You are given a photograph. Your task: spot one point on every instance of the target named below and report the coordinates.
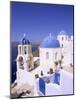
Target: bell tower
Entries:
(24, 59)
(63, 38)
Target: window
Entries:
(20, 49)
(62, 46)
(62, 38)
(21, 62)
(24, 50)
(47, 55)
(56, 56)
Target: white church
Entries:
(51, 50)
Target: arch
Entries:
(21, 62)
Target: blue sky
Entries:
(38, 20)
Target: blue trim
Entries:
(42, 85)
(25, 41)
(57, 78)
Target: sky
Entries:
(39, 20)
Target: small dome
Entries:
(62, 33)
(50, 42)
(25, 41)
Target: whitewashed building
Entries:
(52, 50)
(49, 52)
(66, 44)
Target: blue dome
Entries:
(25, 41)
(50, 42)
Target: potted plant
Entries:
(51, 71)
(36, 76)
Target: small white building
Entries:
(66, 44)
(62, 37)
(49, 52)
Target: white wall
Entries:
(67, 52)
(50, 61)
(59, 37)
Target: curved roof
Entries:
(25, 41)
(62, 33)
(50, 42)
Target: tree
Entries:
(36, 76)
(51, 71)
(56, 63)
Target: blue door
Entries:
(42, 85)
(57, 78)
